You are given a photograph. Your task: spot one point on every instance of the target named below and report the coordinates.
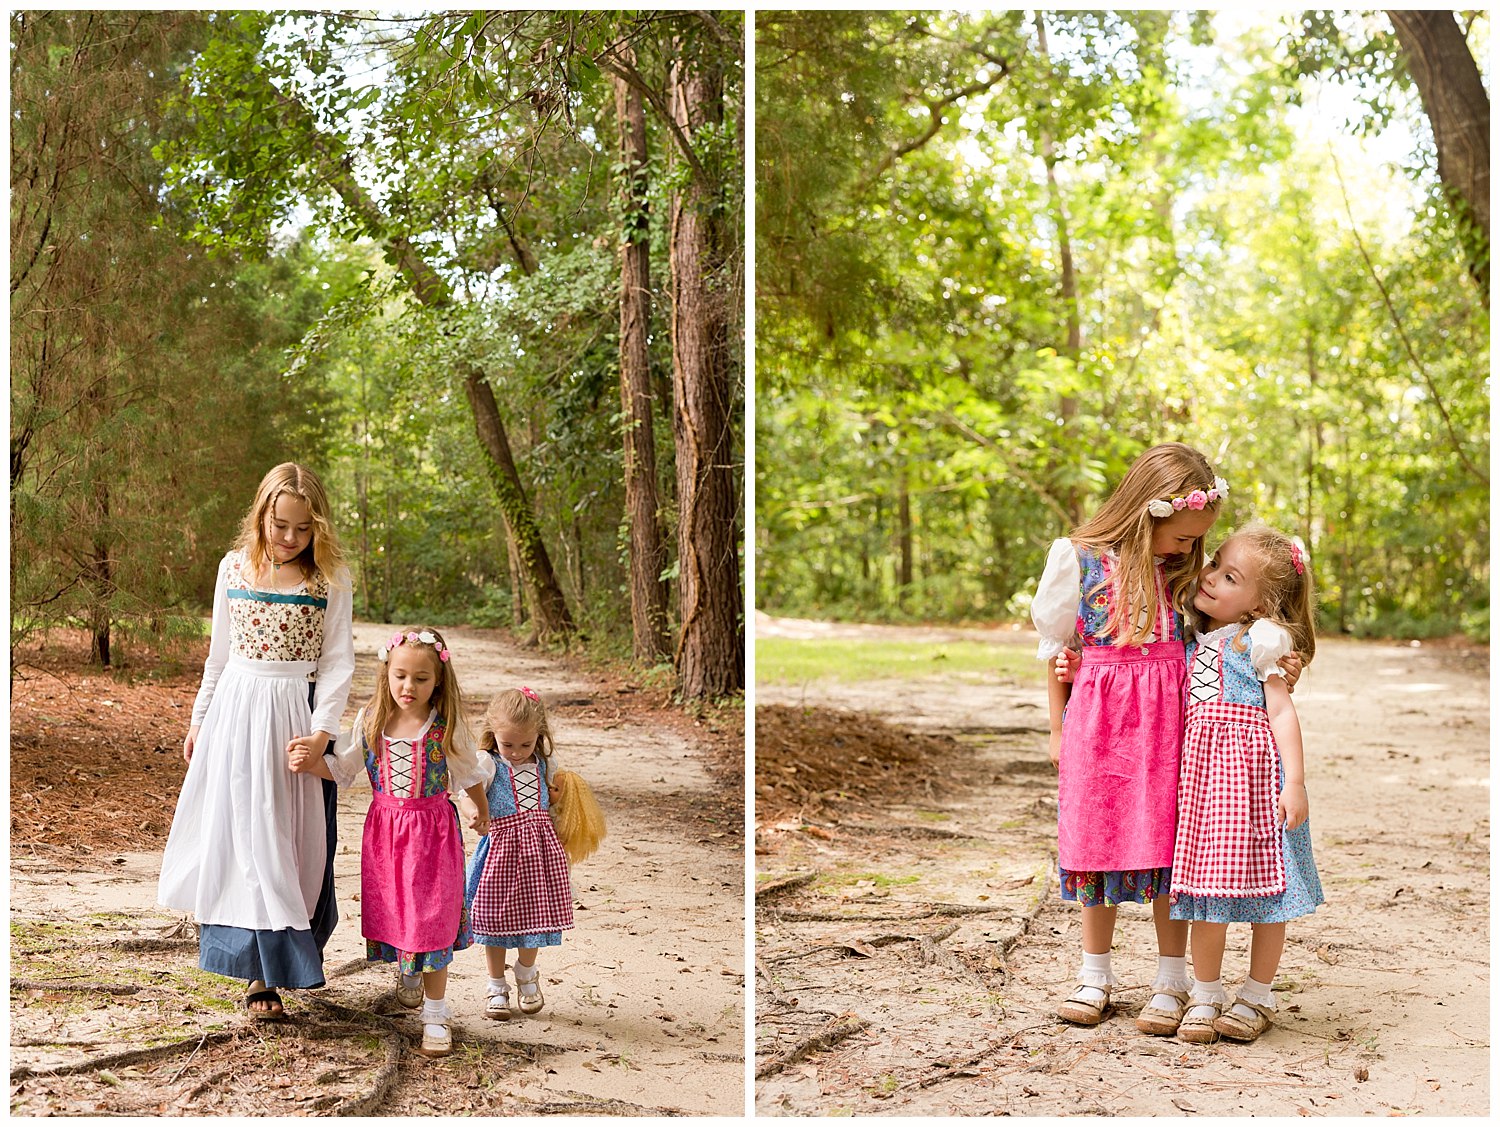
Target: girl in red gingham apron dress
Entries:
(1242, 854)
(518, 888)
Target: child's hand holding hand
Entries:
(304, 753)
(1291, 668)
(1066, 667)
(474, 806)
(1291, 806)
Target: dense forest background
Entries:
(998, 255)
(482, 271)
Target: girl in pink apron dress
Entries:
(413, 745)
(1118, 585)
(1244, 850)
(518, 890)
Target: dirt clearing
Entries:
(110, 1015)
(911, 946)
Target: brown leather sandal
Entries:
(1160, 1022)
(1084, 1011)
(1200, 1030)
(1237, 1027)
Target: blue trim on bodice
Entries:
(266, 597)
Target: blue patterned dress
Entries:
(1227, 839)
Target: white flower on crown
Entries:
(1160, 509)
(1221, 487)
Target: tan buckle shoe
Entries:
(1159, 1022)
(408, 996)
(497, 1004)
(1200, 1030)
(1084, 1011)
(529, 991)
(1240, 1028)
(440, 1045)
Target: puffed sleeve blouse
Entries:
(1269, 643)
(1054, 609)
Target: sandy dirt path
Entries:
(917, 972)
(644, 1006)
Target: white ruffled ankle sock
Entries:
(434, 1014)
(1257, 993)
(1203, 996)
(1171, 974)
(1094, 975)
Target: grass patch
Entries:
(797, 660)
(880, 880)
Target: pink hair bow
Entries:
(529, 694)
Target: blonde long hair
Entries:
(515, 707)
(1286, 595)
(323, 553)
(447, 697)
(1125, 527)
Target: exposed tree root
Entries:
(590, 1105)
(134, 1056)
(785, 884)
(841, 1028)
(116, 988)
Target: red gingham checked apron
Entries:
(1228, 843)
(524, 888)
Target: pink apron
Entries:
(1121, 748)
(412, 868)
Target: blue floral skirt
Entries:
(416, 962)
(1116, 886)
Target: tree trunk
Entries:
(903, 533)
(551, 610)
(100, 578)
(517, 580)
(431, 289)
(1453, 94)
(710, 656)
(648, 594)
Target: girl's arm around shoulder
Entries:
(1054, 609)
(1292, 804)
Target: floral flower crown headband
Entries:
(1197, 499)
(426, 637)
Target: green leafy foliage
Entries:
(925, 426)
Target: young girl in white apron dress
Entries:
(1244, 850)
(413, 744)
(518, 889)
(250, 852)
(1118, 585)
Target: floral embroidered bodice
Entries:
(412, 767)
(1095, 570)
(272, 625)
